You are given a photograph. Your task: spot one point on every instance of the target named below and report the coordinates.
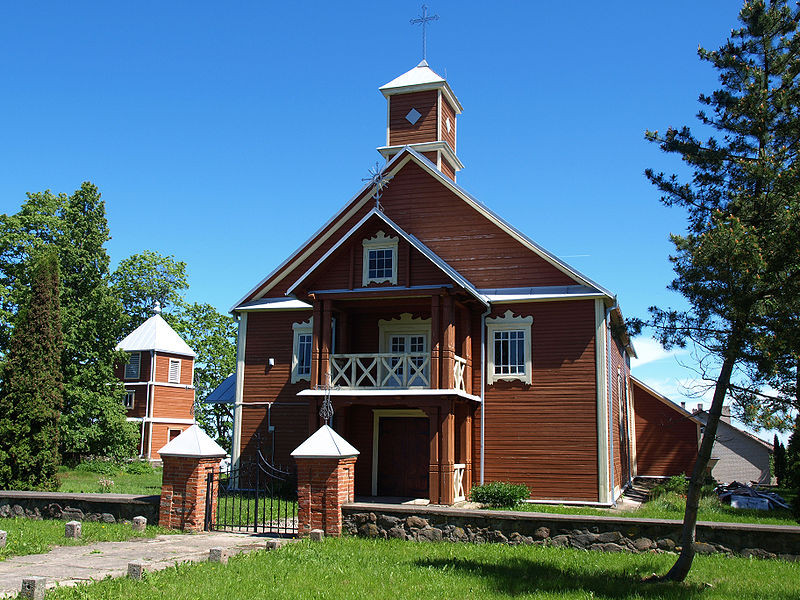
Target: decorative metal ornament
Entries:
(378, 179)
(423, 20)
(326, 411)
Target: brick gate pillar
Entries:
(188, 459)
(325, 481)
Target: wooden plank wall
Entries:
(545, 435)
(448, 136)
(666, 439)
(162, 367)
(424, 130)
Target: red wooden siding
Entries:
(483, 253)
(448, 170)
(161, 436)
(621, 450)
(545, 435)
(401, 132)
(666, 439)
(139, 401)
(144, 369)
(432, 156)
(162, 367)
(448, 136)
(172, 403)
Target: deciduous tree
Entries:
(738, 262)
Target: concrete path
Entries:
(69, 565)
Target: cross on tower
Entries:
(423, 20)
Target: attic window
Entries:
(174, 370)
(413, 116)
(132, 366)
(380, 260)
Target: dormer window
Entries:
(132, 366)
(380, 260)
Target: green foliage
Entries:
(499, 494)
(101, 466)
(138, 467)
(143, 279)
(779, 461)
(31, 392)
(212, 336)
(81, 481)
(677, 484)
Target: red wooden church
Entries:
(455, 349)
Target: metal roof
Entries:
(224, 393)
(194, 442)
(421, 78)
(155, 334)
(325, 443)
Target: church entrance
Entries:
(403, 454)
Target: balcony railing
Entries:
(459, 371)
(458, 482)
(380, 371)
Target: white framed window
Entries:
(380, 260)
(174, 370)
(406, 335)
(129, 399)
(132, 366)
(301, 350)
(509, 348)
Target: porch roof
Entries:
(384, 393)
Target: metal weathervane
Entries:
(378, 179)
(424, 20)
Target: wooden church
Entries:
(159, 383)
(454, 349)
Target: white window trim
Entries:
(170, 378)
(505, 323)
(138, 356)
(132, 395)
(299, 329)
(405, 324)
(380, 242)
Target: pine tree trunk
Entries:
(681, 568)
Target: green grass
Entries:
(672, 506)
(80, 481)
(395, 570)
(26, 536)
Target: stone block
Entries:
(3, 536)
(72, 514)
(33, 587)
(755, 553)
(108, 518)
(417, 522)
(387, 521)
(703, 548)
(397, 533)
(136, 570)
(218, 555)
(643, 544)
(5, 511)
(560, 541)
(139, 524)
(666, 544)
(609, 537)
(583, 540)
(541, 533)
(316, 535)
(72, 530)
(429, 534)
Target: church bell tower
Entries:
(421, 113)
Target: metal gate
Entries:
(254, 496)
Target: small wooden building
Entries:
(455, 349)
(159, 383)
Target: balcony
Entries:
(389, 371)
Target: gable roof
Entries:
(224, 393)
(406, 155)
(413, 242)
(666, 401)
(155, 334)
(702, 416)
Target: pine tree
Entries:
(31, 393)
(779, 460)
(738, 264)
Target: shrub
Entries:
(677, 484)
(101, 466)
(138, 467)
(499, 493)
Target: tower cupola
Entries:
(421, 113)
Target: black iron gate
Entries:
(254, 496)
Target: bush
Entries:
(677, 484)
(138, 467)
(499, 493)
(101, 466)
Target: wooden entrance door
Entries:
(403, 456)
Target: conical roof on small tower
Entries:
(155, 334)
(418, 79)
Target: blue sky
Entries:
(227, 133)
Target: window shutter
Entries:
(132, 367)
(174, 370)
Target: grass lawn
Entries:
(672, 506)
(396, 570)
(26, 536)
(84, 481)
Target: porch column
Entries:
(325, 345)
(315, 344)
(448, 343)
(435, 335)
(464, 454)
(433, 439)
(466, 347)
(447, 457)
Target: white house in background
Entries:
(159, 383)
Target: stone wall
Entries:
(608, 534)
(109, 508)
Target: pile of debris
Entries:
(740, 495)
